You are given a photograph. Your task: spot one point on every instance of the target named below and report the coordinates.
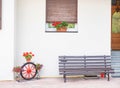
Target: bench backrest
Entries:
(102, 61)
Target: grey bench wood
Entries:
(85, 65)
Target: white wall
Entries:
(7, 40)
(93, 38)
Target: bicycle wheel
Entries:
(28, 71)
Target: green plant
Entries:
(59, 24)
(39, 66)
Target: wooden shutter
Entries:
(0, 14)
(61, 10)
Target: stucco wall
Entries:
(93, 37)
(7, 40)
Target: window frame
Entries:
(75, 16)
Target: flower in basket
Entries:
(60, 26)
(28, 55)
(16, 69)
(39, 66)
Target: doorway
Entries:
(115, 37)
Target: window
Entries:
(61, 11)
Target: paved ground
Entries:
(58, 83)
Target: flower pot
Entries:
(28, 60)
(102, 75)
(62, 29)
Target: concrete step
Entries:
(115, 63)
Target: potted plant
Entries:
(16, 69)
(60, 26)
(28, 56)
(39, 66)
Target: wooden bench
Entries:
(85, 65)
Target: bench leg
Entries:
(64, 76)
(108, 77)
(105, 75)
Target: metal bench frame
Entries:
(85, 65)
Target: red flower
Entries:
(30, 52)
(55, 23)
(28, 55)
(24, 54)
(16, 69)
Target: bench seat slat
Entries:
(81, 73)
(86, 69)
(72, 65)
(82, 59)
(88, 72)
(83, 62)
(97, 56)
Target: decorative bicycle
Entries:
(29, 70)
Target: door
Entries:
(115, 34)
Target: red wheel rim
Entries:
(28, 71)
